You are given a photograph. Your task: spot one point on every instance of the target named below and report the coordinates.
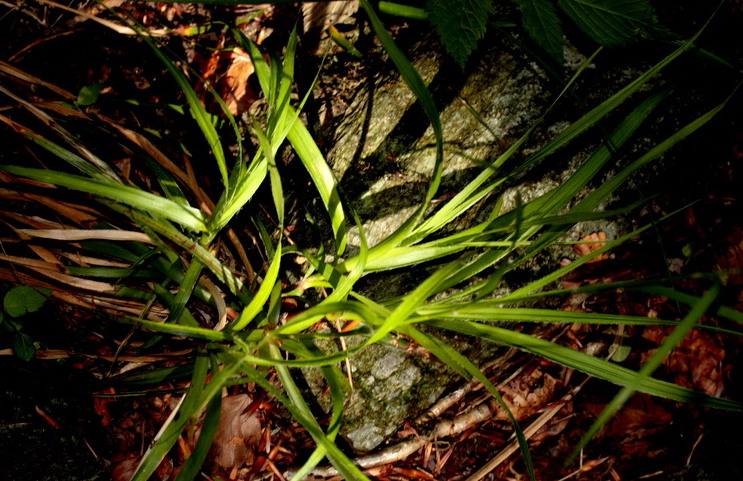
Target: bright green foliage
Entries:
(460, 24)
(259, 343)
(610, 22)
(541, 21)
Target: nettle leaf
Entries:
(460, 24)
(541, 21)
(611, 22)
(21, 300)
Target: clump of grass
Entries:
(155, 254)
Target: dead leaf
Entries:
(236, 434)
(593, 242)
(238, 94)
(697, 363)
(527, 394)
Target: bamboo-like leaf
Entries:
(264, 291)
(186, 216)
(587, 364)
(198, 112)
(177, 420)
(656, 359)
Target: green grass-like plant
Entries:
(153, 280)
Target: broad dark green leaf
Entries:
(541, 21)
(610, 22)
(21, 300)
(460, 24)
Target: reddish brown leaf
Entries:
(237, 433)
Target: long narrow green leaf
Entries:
(186, 216)
(221, 271)
(303, 414)
(587, 364)
(656, 359)
(264, 291)
(412, 301)
(455, 359)
(178, 420)
(336, 393)
(198, 112)
(193, 465)
(179, 330)
(185, 289)
(418, 87)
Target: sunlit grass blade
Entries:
(345, 285)
(298, 406)
(177, 420)
(587, 364)
(459, 363)
(204, 120)
(350, 310)
(656, 359)
(264, 291)
(333, 379)
(476, 190)
(424, 96)
(186, 216)
(412, 301)
(304, 145)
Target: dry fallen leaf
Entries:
(594, 242)
(529, 393)
(238, 94)
(237, 432)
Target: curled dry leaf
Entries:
(237, 92)
(593, 242)
(696, 363)
(236, 433)
(527, 394)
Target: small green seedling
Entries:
(18, 302)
